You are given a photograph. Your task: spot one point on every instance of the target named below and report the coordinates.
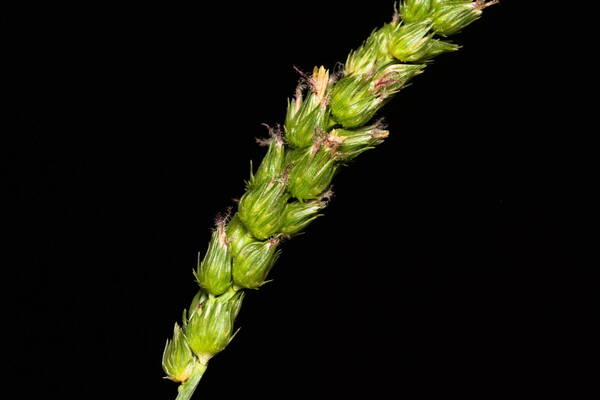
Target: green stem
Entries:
(186, 390)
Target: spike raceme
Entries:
(328, 123)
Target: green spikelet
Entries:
(372, 55)
(310, 115)
(200, 297)
(298, 215)
(432, 49)
(261, 207)
(356, 99)
(178, 361)
(311, 175)
(210, 327)
(238, 235)
(450, 17)
(355, 142)
(415, 10)
(272, 165)
(410, 39)
(253, 263)
(214, 272)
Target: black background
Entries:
(441, 267)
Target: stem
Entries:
(186, 390)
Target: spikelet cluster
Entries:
(329, 122)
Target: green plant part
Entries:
(307, 116)
(450, 17)
(178, 361)
(409, 39)
(415, 10)
(355, 99)
(210, 326)
(254, 262)
(356, 141)
(298, 215)
(214, 272)
(272, 165)
(432, 49)
(312, 173)
(373, 54)
(328, 124)
(261, 207)
(238, 235)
